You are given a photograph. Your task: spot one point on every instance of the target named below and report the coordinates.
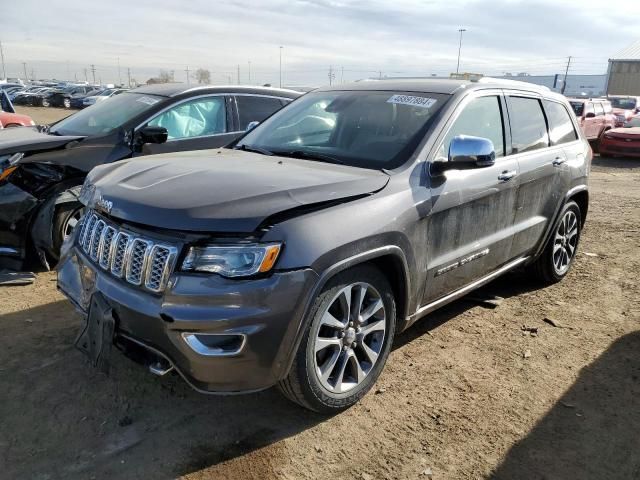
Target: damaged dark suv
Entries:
(42, 168)
(293, 258)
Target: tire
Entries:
(65, 219)
(13, 125)
(67, 103)
(555, 261)
(333, 345)
(45, 103)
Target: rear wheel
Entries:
(347, 343)
(45, 103)
(558, 256)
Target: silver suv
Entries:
(294, 256)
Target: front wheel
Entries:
(67, 103)
(46, 103)
(558, 256)
(346, 344)
(66, 219)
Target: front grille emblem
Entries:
(104, 205)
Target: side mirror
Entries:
(153, 135)
(252, 125)
(590, 115)
(466, 152)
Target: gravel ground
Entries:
(43, 116)
(466, 392)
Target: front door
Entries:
(195, 124)
(469, 226)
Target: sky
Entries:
(350, 39)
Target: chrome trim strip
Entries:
(201, 349)
(8, 251)
(430, 307)
(166, 269)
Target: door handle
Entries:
(559, 161)
(507, 175)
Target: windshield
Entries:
(106, 116)
(578, 108)
(368, 129)
(106, 93)
(623, 103)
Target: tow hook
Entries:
(160, 368)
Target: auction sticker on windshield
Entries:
(423, 102)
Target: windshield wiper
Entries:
(309, 156)
(250, 148)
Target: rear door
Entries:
(256, 108)
(194, 124)
(470, 225)
(590, 123)
(599, 119)
(540, 165)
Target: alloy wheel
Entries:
(565, 242)
(71, 223)
(350, 337)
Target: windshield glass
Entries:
(106, 116)
(578, 108)
(106, 93)
(623, 103)
(368, 129)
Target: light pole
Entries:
(281, 66)
(460, 49)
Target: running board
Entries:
(430, 307)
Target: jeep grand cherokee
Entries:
(295, 256)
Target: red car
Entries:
(624, 142)
(624, 108)
(594, 116)
(9, 117)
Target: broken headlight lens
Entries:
(86, 192)
(8, 163)
(241, 260)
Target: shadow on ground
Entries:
(62, 419)
(593, 431)
(616, 162)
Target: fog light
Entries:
(215, 344)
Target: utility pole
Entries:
(566, 73)
(461, 30)
(129, 76)
(4, 72)
(187, 70)
(86, 78)
(380, 75)
(341, 74)
(119, 78)
(93, 72)
(249, 73)
(331, 75)
(281, 66)
(33, 74)
(24, 66)
(238, 74)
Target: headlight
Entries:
(233, 260)
(8, 164)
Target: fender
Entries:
(331, 272)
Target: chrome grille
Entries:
(141, 261)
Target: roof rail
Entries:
(515, 83)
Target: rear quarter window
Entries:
(528, 125)
(561, 129)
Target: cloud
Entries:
(408, 37)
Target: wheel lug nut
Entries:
(351, 324)
(345, 348)
(354, 344)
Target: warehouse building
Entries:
(623, 77)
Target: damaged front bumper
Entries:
(220, 335)
(16, 206)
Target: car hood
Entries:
(624, 132)
(222, 190)
(31, 139)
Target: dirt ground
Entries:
(466, 393)
(44, 116)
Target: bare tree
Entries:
(163, 77)
(203, 76)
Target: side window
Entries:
(482, 117)
(560, 125)
(589, 108)
(255, 109)
(528, 126)
(195, 118)
(599, 109)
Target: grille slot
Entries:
(141, 261)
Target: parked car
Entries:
(61, 97)
(77, 100)
(295, 257)
(624, 108)
(42, 169)
(623, 142)
(594, 117)
(9, 117)
(32, 96)
(101, 97)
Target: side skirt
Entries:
(430, 307)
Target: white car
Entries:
(110, 92)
